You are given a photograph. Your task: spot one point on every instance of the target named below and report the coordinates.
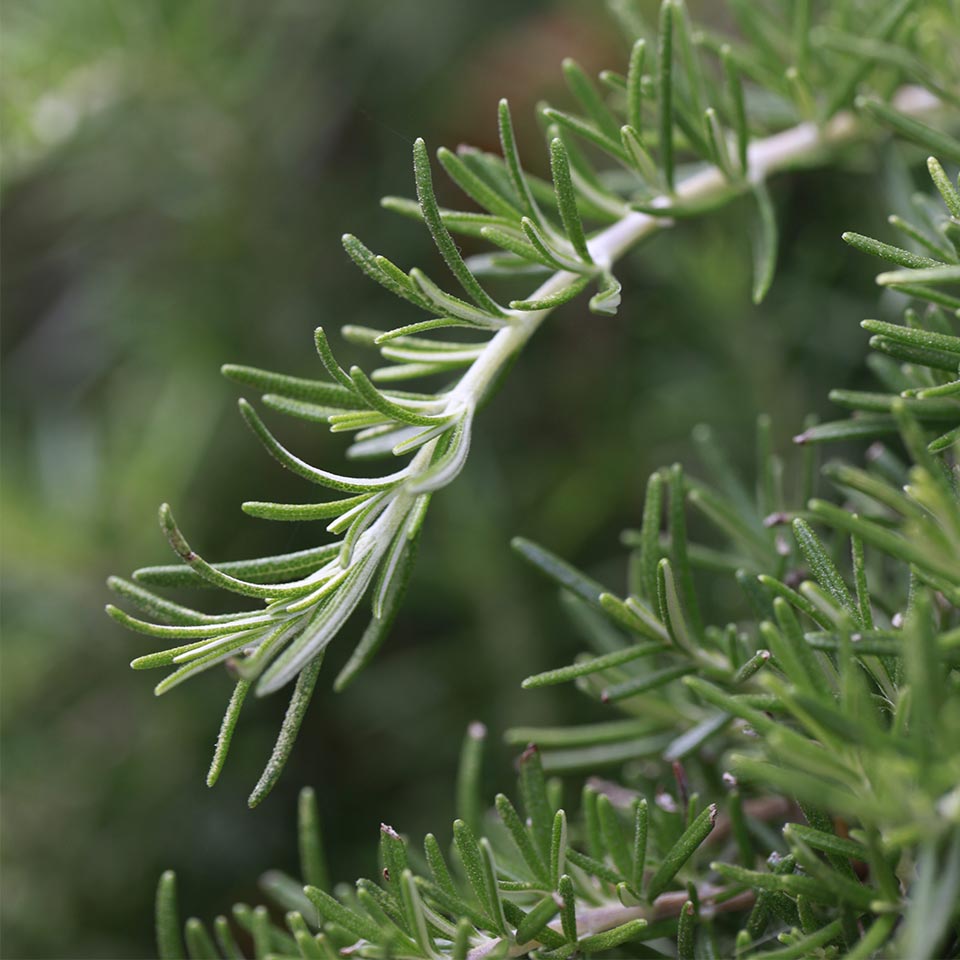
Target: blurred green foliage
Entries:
(176, 173)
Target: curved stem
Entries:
(764, 157)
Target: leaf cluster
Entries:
(695, 121)
(821, 731)
(814, 742)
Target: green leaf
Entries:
(607, 299)
(439, 301)
(333, 911)
(717, 142)
(567, 199)
(885, 251)
(169, 943)
(694, 83)
(297, 388)
(558, 847)
(609, 939)
(200, 945)
(802, 947)
(888, 541)
(950, 194)
(929, 339)
(225, 735)
(645, 682)
(790, 883)
(383, 272)
(863, 427)
(591, 821)
(614, 841)
(751, 666)
(945, 440)
(508, 240)
(844, 886)
(640, 156)
(585, 92)
(873, 939)
(650, 551)
(508, 143)
(306, 944)
(293, 719)
(919, 236)
(593, 665)
(634, 616)
(672, 609)
(589, 132)
(827, 842)
(738, 824)
(949, 273)
(935, 896)
(469, 851)
(692, 739)
(799, 661)
(461, 944)
(549, 738)
(470, 777)
(765, 243)
(440, 234)
(635, 86)
(678, 549)
(226, 940)
(437, 865)
(537, 918)
(665, 91)
(641, 822)
(565, 294)
(731, 74)
(301, 511)
(559, 571)
(414, 910)
(313, 864)
(934, 140)
(824, 569)
(686, 932)
(546, 249)
(476, 188)
(885, 402)
(159, 608)
(308, 472)
(684, 848)
(881, 27)
(568, 916)
(536, 802)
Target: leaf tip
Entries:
(531, 752)
(477, 730)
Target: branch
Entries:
(764, 158)
(598, 919)
(380, 525)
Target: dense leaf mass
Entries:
(815, 742)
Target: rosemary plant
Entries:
(815, 743)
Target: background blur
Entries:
(177, 176)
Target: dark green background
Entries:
(177, 178)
